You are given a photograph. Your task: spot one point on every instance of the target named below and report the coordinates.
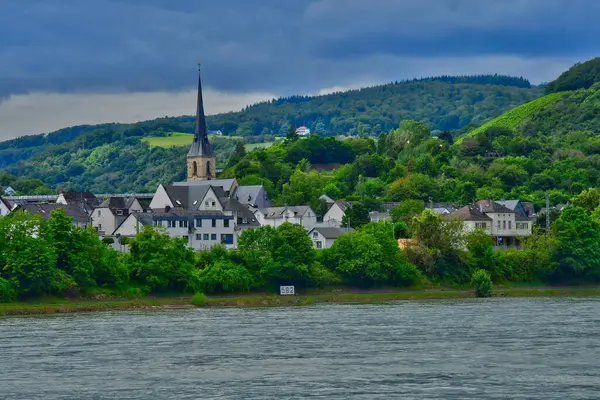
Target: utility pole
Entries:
(547, 214)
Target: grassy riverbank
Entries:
(264, 300)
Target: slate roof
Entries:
(248, 195)
(327, 199)
(342, 205)
(241, 210)
(187, 197)
(79, 197)
(117, 203)
(226, 184)
(72, 210)
(467, 213)
(277, 212)
(331, 233)
(490, 206)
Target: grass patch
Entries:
(59, 306)
(178, 139)
(514, 118)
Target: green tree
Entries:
(588, 199)
(356, 216)
(577, 250)
(407, 210)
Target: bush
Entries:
(199, 299)
(481, 282)
(8, 292)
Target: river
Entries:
(468, 349)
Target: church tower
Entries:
(201, 161)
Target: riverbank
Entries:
(336, 296)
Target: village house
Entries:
(253, 197)
(503, 224)
(377, 216)
(323, 237)
(114, 210)
(333, 217)
(276, 216)
(9, 191)
(85, 200)
(80, 217)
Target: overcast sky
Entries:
(66, 62)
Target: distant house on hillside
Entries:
(302, 131)
(9, 191)
(253, 197)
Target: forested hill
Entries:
(116, 158)
(442, 103)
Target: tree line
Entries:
(53, 257)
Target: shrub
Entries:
(481, 282)
(7, 291)
(199, 299)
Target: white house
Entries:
(302, 131)
(378, 216)
(323, 237)
(498, 221)
(333, 216)
(4, 207)
(9, 191)
(276, 216)
(112, 212)
(202, 229)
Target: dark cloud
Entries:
(281, 46)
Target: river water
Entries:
(469, 349)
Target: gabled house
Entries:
(228, 185)
(253, 197)
(323, 237)
(80, 217)
(524, 209)
(4, 207)
(442, 208)
(276, 216)
(9, 191)
(503, 224)
(85, 200)
(133, 224)
(112, 212)
(333, 217)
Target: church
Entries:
(203, 209)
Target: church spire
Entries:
(200, 146)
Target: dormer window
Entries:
(119, 212)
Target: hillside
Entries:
(118, 157)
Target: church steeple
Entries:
(201, 161)
(201, 145)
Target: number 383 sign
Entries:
(286, 290)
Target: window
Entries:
(226, 223)
(498, 224)
(214, 223)
(227, 238)
(183, 224)
(509, 224)
(198, 222)
(319, 245)
(205, 236)
(206, 203)
(119, 212)
(244, 220)
(480, 225)
(214, 204)
(100, 227)
(522, 225)
(198, 236)
(172, 224)
(99, 213)
(213, 236)
(503, 224)
(315, 235)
